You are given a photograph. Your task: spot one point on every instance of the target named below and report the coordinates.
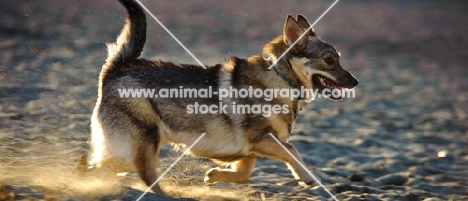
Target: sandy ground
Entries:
(404, 136)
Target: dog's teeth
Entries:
(322, 80)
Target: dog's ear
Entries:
(292, 31)
(305, 24)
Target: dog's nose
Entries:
(354, 81)
(351, 81)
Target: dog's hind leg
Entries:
(145, 162)
(239, 173)
(82, 165)
(269, 148)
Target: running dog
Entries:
(127, 133)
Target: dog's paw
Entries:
(312, 183)
(213, 175)
(225, 175)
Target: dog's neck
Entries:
(280, 73)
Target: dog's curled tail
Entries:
(131, 40)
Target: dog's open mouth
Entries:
(334, 91)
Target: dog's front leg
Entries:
(269, 148)
(240, 172)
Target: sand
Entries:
(403, 137)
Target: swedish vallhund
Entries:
(127, 133)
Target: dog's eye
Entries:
(329, 61)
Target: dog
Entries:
(127, 133)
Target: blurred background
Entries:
(405, 134)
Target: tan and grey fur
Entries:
(127, 133)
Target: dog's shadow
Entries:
(133, 194)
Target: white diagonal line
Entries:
(303, 166)
(302, 35)
(170, 167)
(170, 33)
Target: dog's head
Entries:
(315, 63)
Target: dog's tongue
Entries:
(333, 86)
